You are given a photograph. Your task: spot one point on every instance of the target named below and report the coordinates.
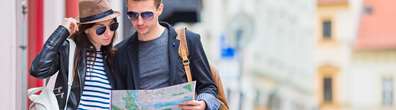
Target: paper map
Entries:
(166, 98)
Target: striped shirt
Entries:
(97, 90)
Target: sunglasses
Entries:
(101, 29)
(147, 15)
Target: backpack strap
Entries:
(183, 51)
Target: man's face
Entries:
(143, 15)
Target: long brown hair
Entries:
(82, 41)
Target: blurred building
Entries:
(331, 52)
(264, 51)
(280, 59)
(355, 55)
(373, 60)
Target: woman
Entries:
(93, 35)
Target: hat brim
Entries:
(111, 16)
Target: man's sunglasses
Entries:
(147, 15)
(102, 28)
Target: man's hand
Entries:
(193, 105)
(71, 25)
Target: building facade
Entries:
(264, 51)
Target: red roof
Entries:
(378, 29)
(331, 2)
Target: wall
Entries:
(8, 49)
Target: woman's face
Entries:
(101, 34)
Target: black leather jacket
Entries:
(54, 58)
(126, 63)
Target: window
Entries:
(328, 89)
(327, 29)
(258, 99)
(327, 81)
(387, 91)
(274, 101)
(368, 10)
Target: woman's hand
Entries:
(193, 105)
(71, 25)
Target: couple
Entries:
(147, 60)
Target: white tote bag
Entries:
(46, 100)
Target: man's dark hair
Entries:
(156, 2)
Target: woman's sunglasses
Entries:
(102, 28)
(147, 15)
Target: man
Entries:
(149, 59)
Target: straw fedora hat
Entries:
(92, 11)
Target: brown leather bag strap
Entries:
(183, 52)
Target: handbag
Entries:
(183, 53)
(46, 100)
